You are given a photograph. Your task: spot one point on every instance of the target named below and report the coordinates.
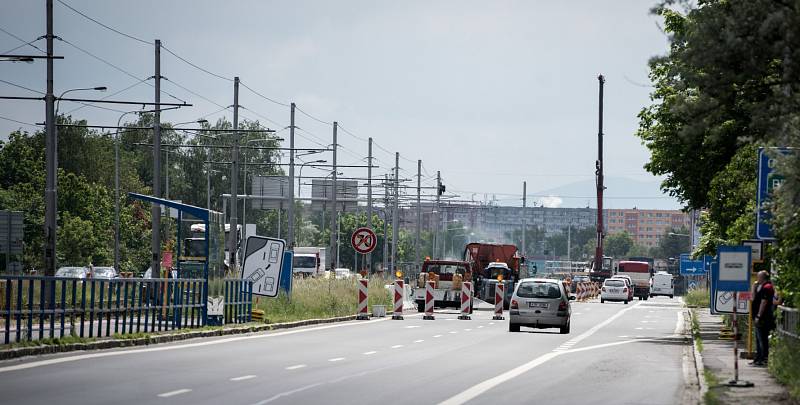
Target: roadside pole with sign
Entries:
(730, 277)
(363, 241)
(757, 255)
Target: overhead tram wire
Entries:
(296, 107)
(111, 95)
(22, 87)
(115, 67)
(20, 122)
(263, 96)
(184, 60)
(104, 25)
(23, 41)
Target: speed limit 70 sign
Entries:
(364, 240)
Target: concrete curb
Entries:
(698, 361)
(165, 338)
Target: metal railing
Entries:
(238, 301)
(96, 307)
(789, 321)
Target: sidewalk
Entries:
(718, 360)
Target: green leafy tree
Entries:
(618, 245)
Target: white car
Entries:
(540, 303)
(662, 283)
(614, 290)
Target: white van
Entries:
(662, 284)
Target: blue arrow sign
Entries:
(691, 267)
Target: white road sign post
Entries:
(263, 260)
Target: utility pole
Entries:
(369, 201)
(155, 211)
(569, 242)
(51, 159)
(290, 209)
(335, 215)
(233, 239)
(524, 215)
(438, 214)
(419, 215)
(396, 212)
(385, 222)
(598, 255)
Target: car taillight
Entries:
(625, 289)
(514, 304)
(562, 306)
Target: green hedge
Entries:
(784, 362)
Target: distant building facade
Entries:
(646, 227)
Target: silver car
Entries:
(540, 303)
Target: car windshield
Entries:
(70, 272)
(539, 289)
(104, 272)
(615, 283)
(496, 271)
(445, 269)
(305, 262)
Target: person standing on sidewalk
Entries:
(763, 317)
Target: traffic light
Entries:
(534, 269)
(442, 189)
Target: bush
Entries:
(315, 298)
(784, 362)
(697, 298)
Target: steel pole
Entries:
(369, 201)
(598, 256)
(524, 217)
(419, 216)
(334, 209)
(290, 197)
(385, 222)
(396, 211)
(233, 240)
(155, 212)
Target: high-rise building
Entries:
(646, 227)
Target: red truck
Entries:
(491, 263)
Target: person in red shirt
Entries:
(763, 317)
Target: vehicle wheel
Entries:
(626, 302)
(420, 306)
(670, 297)
(512, 327)
(602, 301)
(645, 298)
(564, 329)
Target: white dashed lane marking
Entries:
(419, 341)
(369, 353)
(437, 336)
(295, 367)
(242, 378)
(397, 346)
(173, 393)
(336, 359)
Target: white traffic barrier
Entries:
(363, 298)
(429, 287)
(466, 301)
(499, 297)
(399, 294)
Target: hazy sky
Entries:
(489, 92)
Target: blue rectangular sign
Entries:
(691, 267)
(768, 180)
(731, 270)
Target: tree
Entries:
(672, 244)
(618, 245)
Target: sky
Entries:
(490, 93)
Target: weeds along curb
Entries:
(698, 358)
(114, 343)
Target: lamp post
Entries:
(51, 191)
(300, 172)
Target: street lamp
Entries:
(200, 121)
(51, 196)
(300, 173)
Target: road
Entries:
(616, 353)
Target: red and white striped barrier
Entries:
(499, 297)
(466, 301)
(363, 298)
(429, 287)
(399, 291)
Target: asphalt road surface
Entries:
(616, 353)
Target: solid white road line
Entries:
(369, 353)
(295, 367)
(336, 359)
(67, 359)
(476, 390)
(244, 377)
(173, 393)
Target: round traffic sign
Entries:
(364, 240)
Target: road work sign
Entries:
(262, 264)
(364, 240)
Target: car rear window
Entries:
(539, 289)
(614, 283)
